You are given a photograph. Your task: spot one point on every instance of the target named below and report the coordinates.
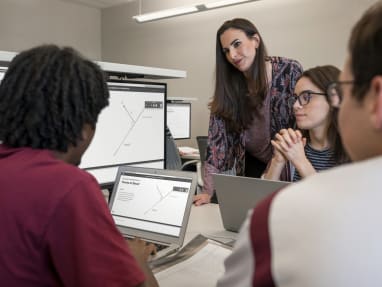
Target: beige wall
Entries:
(27, 23)
(311, 31)
(314, 32)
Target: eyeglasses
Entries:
(304, 97)
(335, 92)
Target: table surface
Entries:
(190, 156)
(206, 220)
(203, 220)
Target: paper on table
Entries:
(202, 269)
(185, 150)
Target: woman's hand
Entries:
(291, 144)
(202, 198)
(276, 166)
(278, 157)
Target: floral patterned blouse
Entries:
(226, 151)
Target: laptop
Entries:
(236, 195)
(153, 204)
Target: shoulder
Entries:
(286, 63)
(312, 193)
(317, 191)
(216, 124)
(70, 176)
(51, 174)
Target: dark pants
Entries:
(253, 166)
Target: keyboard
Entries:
(159, 246)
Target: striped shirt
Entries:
(320, 160)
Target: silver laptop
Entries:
(153, 204)
(236, 195)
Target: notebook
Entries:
(153, 204)
(236, 195)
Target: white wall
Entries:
(311, 31)
(314, 32)
(27, 23)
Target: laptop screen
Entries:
(151, 202)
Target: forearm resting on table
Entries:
(274, 170)
(304, 168)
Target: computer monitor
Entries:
(3, 69)
(130, 131)
(179, 119)
(2, 72)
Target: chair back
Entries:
(202, 146)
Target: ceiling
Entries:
(100, 3)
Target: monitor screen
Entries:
(151, 202)
(130, 131)
(179, 120)
(2, 72)
(3, 69)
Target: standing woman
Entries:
(251, 104)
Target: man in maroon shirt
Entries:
(56, 229)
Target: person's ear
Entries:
(376, 105)
(87, 133)
(256, 37)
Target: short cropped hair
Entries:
(47, 96)
(365, 47)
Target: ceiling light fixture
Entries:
(186, 10)
(223, 3)
(165, 14)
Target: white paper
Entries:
(188, 150)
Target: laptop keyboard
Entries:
(159, 247)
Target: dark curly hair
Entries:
(47, 95)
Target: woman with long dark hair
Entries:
(251, 104)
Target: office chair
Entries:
(173, 159)
(202, 146)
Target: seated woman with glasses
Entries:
(316, 145)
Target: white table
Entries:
(206, 220)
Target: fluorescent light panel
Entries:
(186, 10)
(223, 3)
(165, 14)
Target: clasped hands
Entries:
(289, 145)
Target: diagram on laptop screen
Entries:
(153, 199)
(130, 129)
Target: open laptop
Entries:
(237, 194)
(153, 204)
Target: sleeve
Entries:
(239, 266)
(250, 263)
(84, 244)
(296, 71)
(215, 153)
